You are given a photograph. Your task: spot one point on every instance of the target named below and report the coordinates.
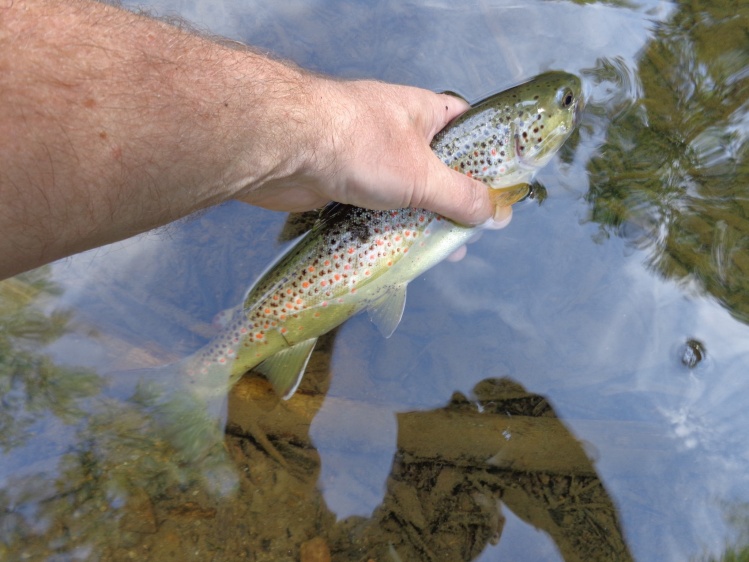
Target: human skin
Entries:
(112, 124)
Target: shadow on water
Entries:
(454, 469)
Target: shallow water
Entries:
(534, 404)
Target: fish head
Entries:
(548, 110)
(505, 138)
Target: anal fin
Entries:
(387, 310)
(286, 368)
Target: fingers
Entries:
(502, 217)
(446, 191)
(445, 109)
(458, 254)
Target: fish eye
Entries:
(565, 98)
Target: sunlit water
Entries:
(587, 299)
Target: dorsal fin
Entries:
(286, 368)
(330, 214)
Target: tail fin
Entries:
(179, 409)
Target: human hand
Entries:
(367, 143)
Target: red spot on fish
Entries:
(323, 283)
(337, 276)
(324, 303)
(299, 301)
(305, 284)
(310, 269)
(258, 336)
(283, 330)
(267, 310)
(327, 262)
(351, 250)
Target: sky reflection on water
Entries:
(586, 299)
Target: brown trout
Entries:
(355, 259)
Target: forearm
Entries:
(112, 124)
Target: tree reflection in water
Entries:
(673, 173)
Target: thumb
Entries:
(455, 195)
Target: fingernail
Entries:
(502, 217)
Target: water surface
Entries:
(576, 388)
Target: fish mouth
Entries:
(541, 153)
(522, 158)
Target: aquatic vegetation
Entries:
(32, 385)
(673, 173)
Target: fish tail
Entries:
(178, 410)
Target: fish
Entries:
(356, 259)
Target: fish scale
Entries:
(354, 259)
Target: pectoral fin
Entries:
(506, 196)
(386, 312)
(286, 368)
